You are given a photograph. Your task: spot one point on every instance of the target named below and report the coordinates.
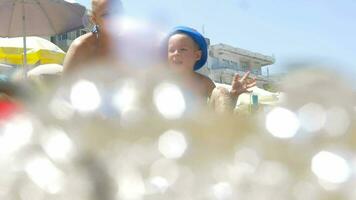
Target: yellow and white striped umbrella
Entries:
(39, 51)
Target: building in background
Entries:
(64, 40)
(224, 61)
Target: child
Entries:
(187, 53)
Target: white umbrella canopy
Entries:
(4, 68)
(39, 18)
(5, 72)
(46, 69)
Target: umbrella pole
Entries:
(24, 35)
(24, 52)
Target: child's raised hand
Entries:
(241, 85)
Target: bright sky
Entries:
(321, 31)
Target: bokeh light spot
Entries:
(160, 183)
(125, 97)
(44, 174)
(16, 133)
(330, 167)
(85, 96)
(131, 185)
(172, 144)
(169, 100)
(58, 145)
(312, 117)
(222, 190)
(282, 123)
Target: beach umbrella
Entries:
(39, 51)
(5, 72)
(38, 18)
(46, 69)
(5, 67)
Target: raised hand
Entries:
(241, 85)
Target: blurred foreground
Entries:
(141, 136)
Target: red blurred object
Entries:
(7, 109)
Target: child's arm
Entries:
(241, 85)
(224, 101)
(210, 86)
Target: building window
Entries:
(211, 53)
(71, 35)
(225, 63)
(63, 37)
(53, 39)
(257, 71)
(245, 66)
(234, 65)
(214, 63)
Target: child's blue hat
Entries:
(198, 38)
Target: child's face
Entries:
(183, 52)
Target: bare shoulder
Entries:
(80, 50)
(207, 84)
(206, 80)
